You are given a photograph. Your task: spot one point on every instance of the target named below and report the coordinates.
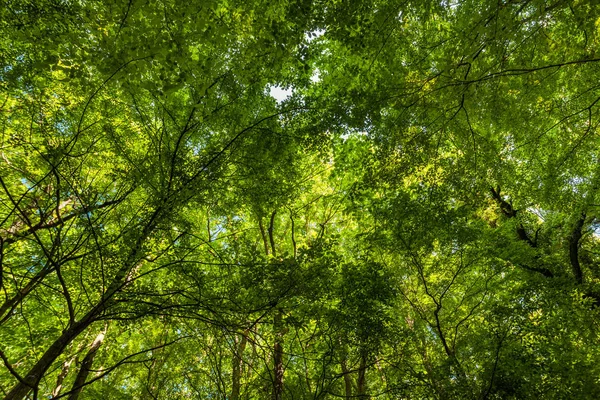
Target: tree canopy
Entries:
(417, 219)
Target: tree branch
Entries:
(509, 211)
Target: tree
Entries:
(418, 219)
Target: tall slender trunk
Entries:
(271, 230)
(278, 356)
(347, 379)
(263, 234)
(86, 365)
(574, 249)
(237, 364)
(362, 383)
(277, 328)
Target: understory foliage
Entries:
(416, 219)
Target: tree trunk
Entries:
(86, 365)
(270, 230)
(237, 364)
(263, 234)
(362, 383)
(31, 380)
(61, 376)
(278, 357)
(347, 379)
(36, 373)
(574, 249)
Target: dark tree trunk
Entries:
(574, 249)
(362, 382)
(31, 380)
(278, 357)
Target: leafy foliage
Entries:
(417, 219)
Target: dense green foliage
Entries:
(418, 219)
